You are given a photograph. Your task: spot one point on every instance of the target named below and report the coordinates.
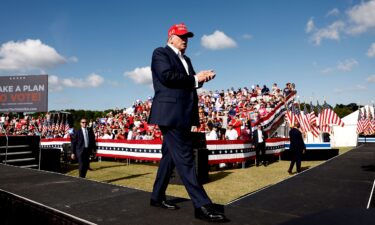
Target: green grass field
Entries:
(224, 186)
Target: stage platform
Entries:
(336, 192)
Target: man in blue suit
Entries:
(83, 145)
(175, 111)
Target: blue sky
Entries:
(98, 53)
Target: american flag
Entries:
(56, 128)
(367, 122)
(323, 120)
(371, 125)
(289, 116)
(305, 118)
(360, 121)
(44, 127)
(298, 117)
(61, 128)
(312, 120)
(66, 126)
(327, 118)
(51, 126)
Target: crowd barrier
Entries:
(220, 151)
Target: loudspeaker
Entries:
(200, 157)
(50, 159)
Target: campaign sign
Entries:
(24, 93)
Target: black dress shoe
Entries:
(208, 213)
(163, 204)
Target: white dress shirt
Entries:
(85, 137)
(181, 57)
(260, 136)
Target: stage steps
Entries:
(19, 151)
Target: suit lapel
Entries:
(190, 66)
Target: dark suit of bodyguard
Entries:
(83, 145)
(297, 147)
(175, 111)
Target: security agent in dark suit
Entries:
(259, 142)
(297, 147)
(83, 145)
(175, 110)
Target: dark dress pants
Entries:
(295, 159)
(177, 152)
(261, 148)
(84, 163)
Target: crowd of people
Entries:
(224, 115)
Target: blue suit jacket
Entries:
(175, 103)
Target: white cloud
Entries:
(347, 65)
(73, 59)
(113, 83)
(310, 26)
(331, 32)
(360, 87)
(218, 40)
(54, 84)
(357, 20)
(371, 50)
(247, 36)
(57, 84)
(328, 70)
(140, 75)
(28, 55)
(371, 78)
(92, 80)
(362, 17)
(333, 12)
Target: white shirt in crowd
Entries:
(260, 136)
(130, 135)
(231, 134)
(211, 135)
(107, 136)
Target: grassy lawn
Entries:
(223, 187)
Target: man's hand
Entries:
(303, 151)
(72, 156)
(205, 75)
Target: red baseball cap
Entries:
(179, 30)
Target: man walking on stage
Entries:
(175, 110)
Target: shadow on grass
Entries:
(66, 168)
(217, 176)
(125, 178)
(303, 168)
(111, 166)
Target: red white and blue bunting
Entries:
(150, 150)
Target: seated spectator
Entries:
(230, 133)
(265, 90)
(212, 133)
